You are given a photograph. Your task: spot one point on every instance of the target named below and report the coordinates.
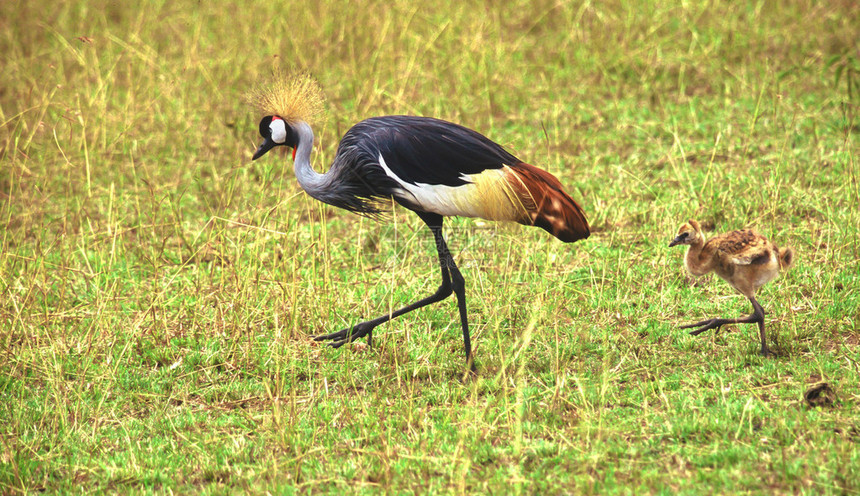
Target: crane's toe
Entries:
(346, 335)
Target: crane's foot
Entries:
(348, 335)
(470, 363)
(765, 352)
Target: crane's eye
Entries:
(279, 130)
(684, 235)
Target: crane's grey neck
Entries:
(309, 179)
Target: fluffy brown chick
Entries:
(745, 259)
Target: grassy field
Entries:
(158, 290)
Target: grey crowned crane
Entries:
(432, 167)
(745, 259)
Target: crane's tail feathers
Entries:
(546, 205)
(786, 257)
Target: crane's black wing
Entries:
(426, 150)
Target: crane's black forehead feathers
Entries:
(427, 150)
(264, 126)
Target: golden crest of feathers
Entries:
(293, 97)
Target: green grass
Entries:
(158, 290)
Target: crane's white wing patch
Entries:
(479, 197)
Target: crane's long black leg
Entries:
(459, 287)
(460, 290)
(349, 334)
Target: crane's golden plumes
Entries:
(293, 97)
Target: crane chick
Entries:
(745, 259)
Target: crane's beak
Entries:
(267, 145)
(676, 241)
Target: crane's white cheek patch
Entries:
(279, 131)
(476, 198)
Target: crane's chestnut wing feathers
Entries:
(547, 205)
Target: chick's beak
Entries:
(676, 241)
